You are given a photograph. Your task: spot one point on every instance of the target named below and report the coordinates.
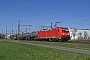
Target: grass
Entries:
(77, 46)
(15, 51)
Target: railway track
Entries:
(79, 42)
(72, 41)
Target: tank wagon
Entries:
(57, 34)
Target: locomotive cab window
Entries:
(65, 30)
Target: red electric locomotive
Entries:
(57, 34)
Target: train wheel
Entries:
(55, 40)
(66, 40)
(59, 40)
(50, 40)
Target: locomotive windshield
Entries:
(64, 30)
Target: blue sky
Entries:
(71, 13)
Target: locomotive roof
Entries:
(53, 28)
(61, 27)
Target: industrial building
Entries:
(76, 34)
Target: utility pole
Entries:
(51, 25)
(18, 29)
(6, 32)
(12, 31)
(12, 28)
(26, 29)
(2, 34)
(29, 27)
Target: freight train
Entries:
(57, 34)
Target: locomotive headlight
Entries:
(63, 33)
(68, 34)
